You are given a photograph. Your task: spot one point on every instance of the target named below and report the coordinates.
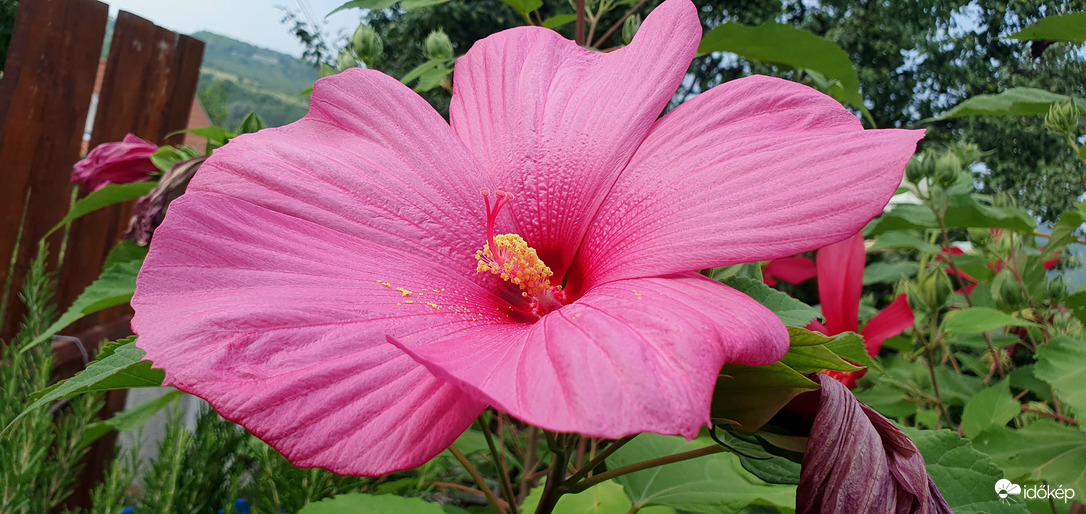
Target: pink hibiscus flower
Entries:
(121, 162)
(330, 284)
(840, 284)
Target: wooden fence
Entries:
(146, 88)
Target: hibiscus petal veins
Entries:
(318, 283)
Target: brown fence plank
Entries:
(148, 87)
(44, 98)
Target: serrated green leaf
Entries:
(713, 483)
(1040, 451)
(779, 44)
(808, 352)
(1062, 363)
(894, 240)
(991, 407)
(122, 368)
(524, 6)
(127, 420)
(883, 272)
(963, 475)
(114, 287)
(559, 20)
(975, 320)
(791, 311)
(370, 504)
(1063, 231)
(110, 195)
(1019, 101)
(746, 397)
(1070, 28)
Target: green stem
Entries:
(595, 462)
(625, 470)
(503, 473)
(553, 490)
(498, 504)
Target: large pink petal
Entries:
(281, 324)
(840, 283)
(892, 321)
(555, 123)
(630, 356)
(372, 160)
(755, 169)
(791, 270)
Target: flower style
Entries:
(356, 287)
(116, 163)
(840, 283)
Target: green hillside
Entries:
(238, 78)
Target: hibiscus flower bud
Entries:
(346, 60)
(438, 46)
(629, 27)
(367, 44)
(931, 289)
(947, 168)
(116, 163)
(920, 167)
(1062, 118)
(151, 209)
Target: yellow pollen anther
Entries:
(516, 263)
(435, 306)
(403, 291)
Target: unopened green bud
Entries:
(1062, 118)
(346, 60)
(947, 168)
(967, 152)
(932, 289)
(920, 167)
(367, 44)
(438, 46)
(629, 27)
(1005, 361)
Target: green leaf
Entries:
(904, 216)
(601, 498)
(167, 156)
(771, 468)
(883, 272)
(713, 483)
(418, 71)
(1040, 451)
(1062, 363)
(127, 420)
(370, 504)
(786, 45)
(410, 5)
(432, 78)
(967, 212)
(1063, 231)
(992, 407)
(791, 311)
(110, 195)
(975, 320)
(896, 240)
(524, 6)
(559, 20)
(125, 251)
(251, 123)
(1070, 28)
(217, 135)
(746, 397)
(114, 287)
(123, 368)
(963, 475)
(373, 5)
(1018, 101)
(808, 352)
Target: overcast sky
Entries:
(253, 21)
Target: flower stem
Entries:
(598, 459)
(624, 470)
(580, 23)
(503, 473)
(498, 504)
(618, 24)
(553, 490)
